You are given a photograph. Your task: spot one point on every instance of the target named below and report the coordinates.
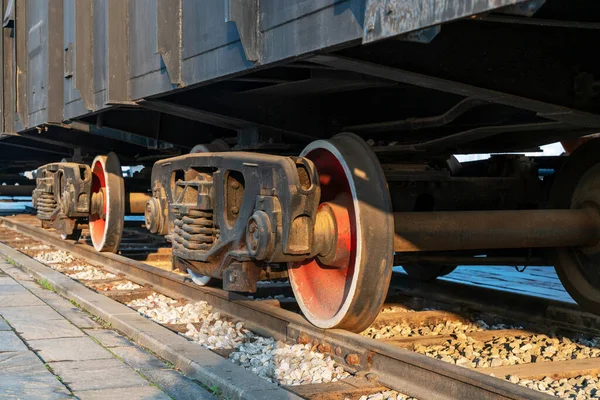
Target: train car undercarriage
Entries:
(337, 220)
(239, 123)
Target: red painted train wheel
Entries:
(107, 212)
(348, 291)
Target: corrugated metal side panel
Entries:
(212, 47)
(148, 72)
(330, 26)
(162, 45)
(84, 54)
(144, 56)
(2, 110)
(73, 103)
(10, 77)
(277, 12)
(100, 52)
(21, 24)
(37, 60)
(55, 61)
(204, 27)
(118, 51)
(168, 35)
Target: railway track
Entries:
(551, 348)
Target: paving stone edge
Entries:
(235, 382)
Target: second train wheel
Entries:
(107, 210)
(348, 296)
(427, 272)
(577, 185)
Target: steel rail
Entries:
(405, 371)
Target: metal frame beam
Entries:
(42, 150)
(448, 142)
(120, 135)
(418, 123)
(222, 121)
(545, 110)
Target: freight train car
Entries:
(314, 138)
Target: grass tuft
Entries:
(11, 261)
(216, 390)
(74, 303)
(46, 284)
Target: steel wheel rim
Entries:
(313, 284)
(106, 232)
(577, 185)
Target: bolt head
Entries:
(258, 235)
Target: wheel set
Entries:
(330, 220)
(347, 291)
(70, 197)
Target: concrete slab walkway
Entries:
(49, 349)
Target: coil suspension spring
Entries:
(45, 204)
(194, 230)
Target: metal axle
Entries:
(135, 203)
(473, 230)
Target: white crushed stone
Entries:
(157, 303)
(579, 388)
(87, 272)
(468, 352)
(386, 395)
(214, 333)
(218, 334)
(447, 328)
(286, 364)
(54, 257)
(37, 247)
(275, 361)
(127, 286)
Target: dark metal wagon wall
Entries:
(63, 59)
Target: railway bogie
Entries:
(70, 197)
